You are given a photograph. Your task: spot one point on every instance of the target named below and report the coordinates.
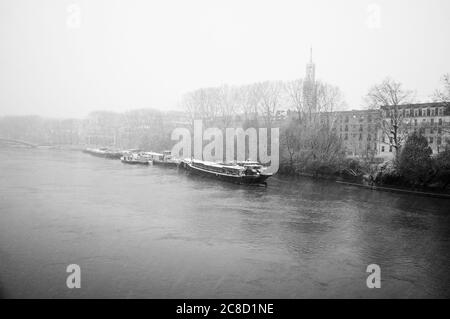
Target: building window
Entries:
(415, 122)
(407, 113)
(346, 119)
(439, 140)
(432, 121)
(416, 113)
(424, 112)
(346, 136)
(441, 111)
(360, 127)
(431, 140)
(390, 148)
(433, 112)
(440, 121)
(431, 131)
(346, 128)
(382, 149)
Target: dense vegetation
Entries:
(416, 167)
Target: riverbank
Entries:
(396, 190)
(358, 182)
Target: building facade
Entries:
(368, 133)
(359, 132)
(432, 120)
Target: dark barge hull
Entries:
(112, 155)
(248, 179)
(165, 164)
(135, 162)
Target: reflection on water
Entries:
(152, 232)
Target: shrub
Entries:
(414, 163)
(388, 174)
(442, 167)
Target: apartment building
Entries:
(432, 120)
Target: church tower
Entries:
(309, 86)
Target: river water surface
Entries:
(150, 232)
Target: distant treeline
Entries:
(144, 128)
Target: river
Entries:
(150, 232)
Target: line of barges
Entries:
(238, 172)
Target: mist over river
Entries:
(151, 232)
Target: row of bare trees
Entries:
(259, 101)
(307, 140)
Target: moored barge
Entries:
(136, 158)
(253, 173)
(166, 160)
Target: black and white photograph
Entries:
(224, 150)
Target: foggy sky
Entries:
(121, 55)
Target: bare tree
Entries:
(202, 104)
(294, 90)
(210, 101)
(241, 101)
(329, 99)
(229, 102)
(443, 94)
(191, 107)
(252, 97)
(389, 97)
(291, 141)
(271, 99)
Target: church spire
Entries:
(309, 84)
